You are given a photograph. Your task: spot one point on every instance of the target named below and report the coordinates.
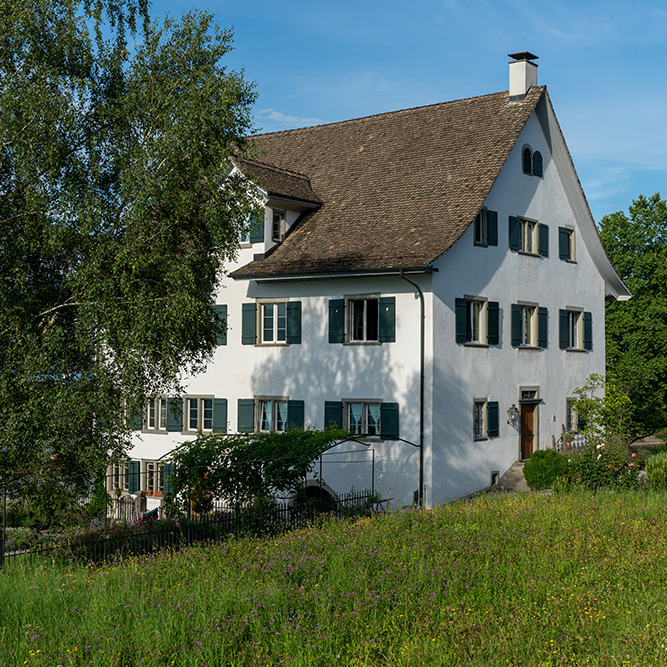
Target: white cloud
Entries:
(285, 119)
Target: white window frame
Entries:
(480, 419)
(202, 405)
(270, 423)
(352, 313)
(278, 225)
(528, 324)
(529, 236)
(575, 328)
(154, 476)
(155, 416)
(477, 321)
(369, 425)
(120, 476)
(571, 256)
(481, 228)
(278, 333)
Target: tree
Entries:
(117, 206)
(637, 330)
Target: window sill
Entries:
(272, 344)
(480, 245)
(569, 261)
(362, 342)
(575, 349)
(529, 254)
(529, 347)
(475, 344)
(156, 431)
(482, 439)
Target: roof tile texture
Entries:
(398, 189)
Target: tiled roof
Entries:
(398, 189)
(278, 181)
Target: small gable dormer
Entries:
(286, 197)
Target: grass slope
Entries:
(519, 579)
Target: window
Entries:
(529, 325)
(363, 417)
(156, 415)
(120, 476)
(486, 228)
(278, 226)
(477, 321)
(531, 163)
(154, 477)
(363, 323)
(278, 323)
(566, 244)
(528, 236)
(274, 322)
(256, 231)
(200, 414)
(575, 329)
(485, 419)
(269, 414)
(362, 319)
(272, 415)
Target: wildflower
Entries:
(599, 456)
(634, 455)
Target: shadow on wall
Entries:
(317, 371)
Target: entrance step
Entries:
(513, 479)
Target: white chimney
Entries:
(523, 74)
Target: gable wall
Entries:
(462, 373)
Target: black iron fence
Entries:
(105, 525)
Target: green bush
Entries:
(605, 465)
(543, 468)
(656, 471)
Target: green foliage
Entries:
(543, 468)
(608, 465)
(604, 410)
(113, 221)
(636, 330)
(656, 472)
(245, 467)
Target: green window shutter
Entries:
(563, 338)
(136, 420)
(174, 414)
(588, 331)
(257, 228)
(246, 415)
(516, 325)
(333, 414)
(527, 161)
(219, 415)
(493, 419)
(515, 233)
(493, 323)
(461, 310)
(542, 327)
(337, 321)
(295, 415)
(387, 333)
(249, 324)
(389, 421)
(221, 314)
(492, 227)
(133, 476)
(168, 473)
(293, 310)
(563, 243)
(537, 163)
(543, 240)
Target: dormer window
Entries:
(531, 162)
(278, 227)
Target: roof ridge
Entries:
(384, 113)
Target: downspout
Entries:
(421, 388)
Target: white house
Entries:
(419, 276)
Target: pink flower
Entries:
(633, 456)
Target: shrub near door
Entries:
(543, 468)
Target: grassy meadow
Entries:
(515, 579)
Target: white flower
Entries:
(599, 456)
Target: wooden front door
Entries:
(527, 429)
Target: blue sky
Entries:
(604, 63)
